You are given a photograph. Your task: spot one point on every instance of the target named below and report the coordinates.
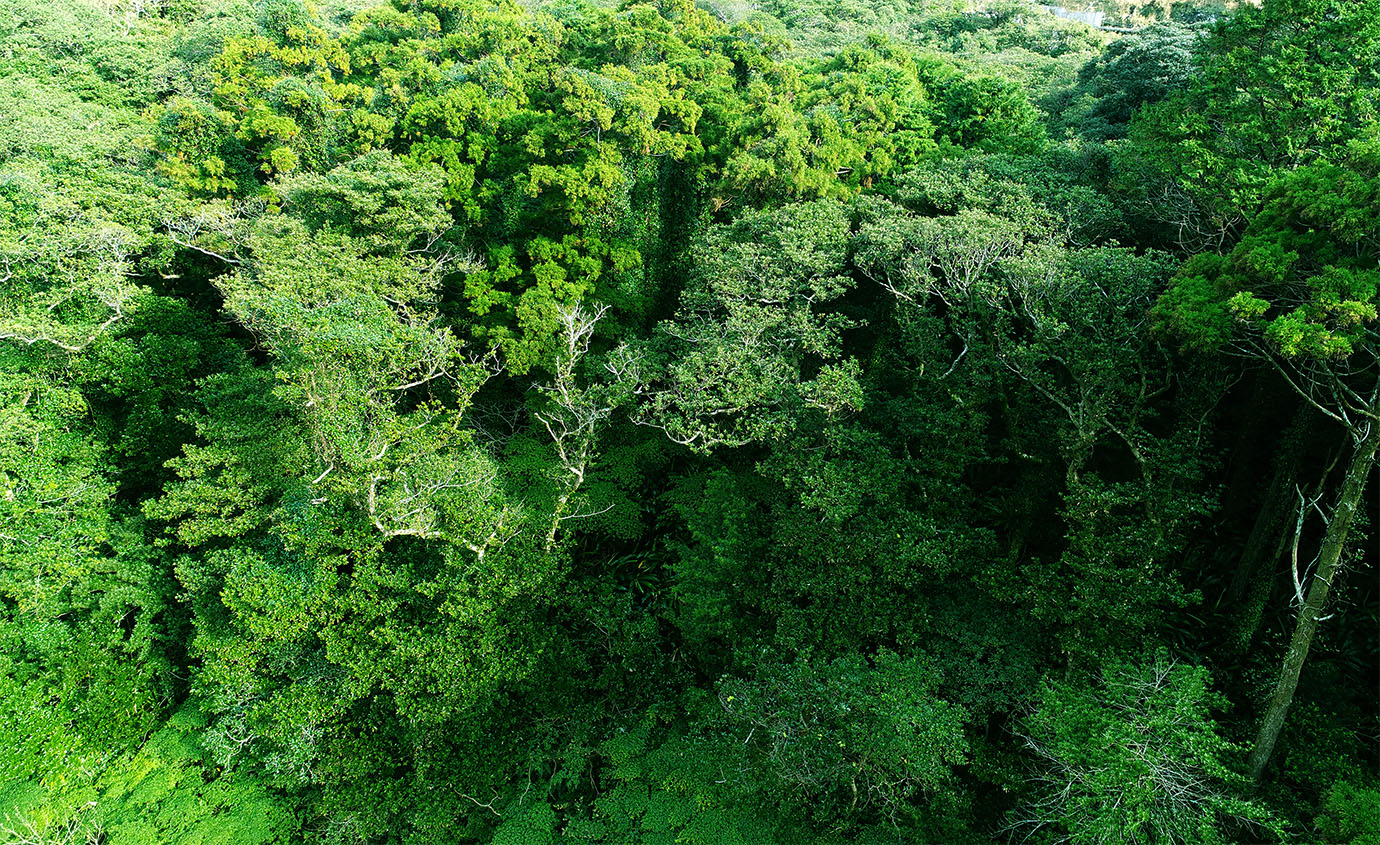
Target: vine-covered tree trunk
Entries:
(1270, 519)
(1253, 610)
(1329, 556)
(1255, 573)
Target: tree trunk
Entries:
(1270, 519)
(1329, 556)
(1258, 567)
(1253, 611)
(1253, 448)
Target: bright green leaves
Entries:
(375, 198)
(89, 609)
(228, 489)
(279, 102)
(341, 288)
(1280, 85)
(519, 312)
(749, 329)
(988, 114)
(769, 158)
(463, 96)
(542, 158)
(364, 401)
(1350, 813)
(1303, 277)
(386, 553)
(285, 92)
(555, 155)
(456, 127)
(53, 491)
(197, 147)
(1138, 758)
(362, 453)
(1330, 326)
(86, 607)
(870, 109)
(80, 595)
(861, 116)
(166, 791)
(1195, 307)
(645, 109)
(71, 247)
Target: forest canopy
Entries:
(901, 421)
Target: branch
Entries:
(1294, 551)
(202, 250)
(1307, 396)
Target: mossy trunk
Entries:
(1329, 557)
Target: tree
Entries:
(88, 660)
(166, 790)
(85, 605)
(1136, 757)
(1072, 327)
(1136, 71)
(1300, 294)
(1279, 85)
(750, 328)
(845, 733)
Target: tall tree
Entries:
(1277, 85)
(1299, 293)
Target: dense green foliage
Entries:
(460, 421)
